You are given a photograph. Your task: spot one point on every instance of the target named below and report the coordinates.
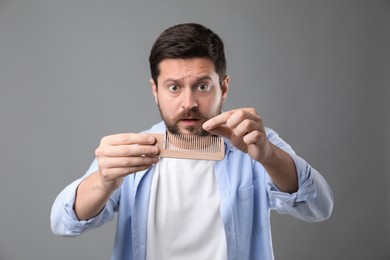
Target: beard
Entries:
(173, 127)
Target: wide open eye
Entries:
(203, 87)
(173, 88)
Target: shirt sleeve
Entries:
(314, 199)
(63, 219)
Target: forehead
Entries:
(179, 68)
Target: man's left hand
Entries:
(244, 128)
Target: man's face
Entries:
(188, 94)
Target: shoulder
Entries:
(156, 128)
(274, 138)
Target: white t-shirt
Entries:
(184, 220)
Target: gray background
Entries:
(74, 71)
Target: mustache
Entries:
(193, 113)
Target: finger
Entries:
(128, 138)
(253, 137)
(115, 173)
(223, 131)
(223, 118)
(127, 150)
(124, 162)
(217, 121)
(246, 126)
(241, 115)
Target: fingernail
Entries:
(206, 127)
(151, 139)
(154, 150)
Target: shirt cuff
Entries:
(70, 220)
(306, 189)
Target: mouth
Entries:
(190, 118)
(190, 121)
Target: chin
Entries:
(197, 131)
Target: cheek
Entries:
(213, 104)
(168, 107)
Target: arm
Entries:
(91, 197)
(313, 201)
(63, 219)
(294, 187)
(117, 156)
(244, 128)
(91, 200)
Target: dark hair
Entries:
(189, 40)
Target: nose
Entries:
(189, 99)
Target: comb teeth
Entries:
(192, 143)
(190, 146)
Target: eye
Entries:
(173, 88)
(203, 87)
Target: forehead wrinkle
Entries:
(182, 79)
(185, 71)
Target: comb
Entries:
(190, 146)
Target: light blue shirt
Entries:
(247, 196)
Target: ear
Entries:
(154, 89)
(225, 87)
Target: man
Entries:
(192, 209)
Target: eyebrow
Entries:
(200, 78)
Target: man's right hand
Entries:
(118, 156)
(122, 154)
